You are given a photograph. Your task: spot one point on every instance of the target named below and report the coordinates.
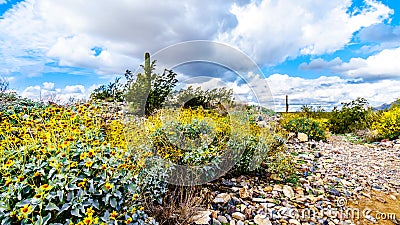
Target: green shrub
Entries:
(315, 129)
(353, 116)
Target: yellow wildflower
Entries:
(26, 210)
(46, 187)
(108, 186)
(88, 163)
(113, 215)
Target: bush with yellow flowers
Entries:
(314, 128)
(68, 165)
(388, 125)
(85, 164)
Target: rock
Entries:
(258, 200)
(262, 220)
(222, 219)
(222, 198)
(288, 191)
(335, 192)
(238, 216)
(245, 193)
(393, 197)
(240, 223)
(268, 189)
(214, 214)
(295, 222)
(267, 205)
(302, 137)
(317, 154)
(232, 222)
(202, 217)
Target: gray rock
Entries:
(202, 217)
(222, 219)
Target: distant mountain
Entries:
(384, 106)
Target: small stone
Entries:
(262, 220)
(393, 197)
(259, 200)
(240, 223)
(232, 222)
(267, 205)
(317, 154)
(295, 222)
(222, 198)
(245, 193)
(268, 189)
(302, 137)
(288, 191)
(202, 217)
(222, 219)
(238, 216)
(335, 192)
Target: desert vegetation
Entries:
(108, 160)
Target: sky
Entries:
(319, 53)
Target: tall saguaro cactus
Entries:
(150, 90)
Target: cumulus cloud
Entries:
(321, 64)
(382, 65)
(47, 92)
(306, 27)
(328, 91)
(380, 33)
(325, 91)
(65, 32)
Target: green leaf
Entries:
(75, 212)
(51, 206)
(63, 208)
(113, 202)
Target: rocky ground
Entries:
(341, 183)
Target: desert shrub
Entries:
(10, 101)
(388, 125)
(353, 116)
(59, 166)
(314, 128)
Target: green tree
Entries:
(150, 90)
(195, 97)
(113, 92)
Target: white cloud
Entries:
(329, 91)
(272, 31)
(322, 91)
(382, 65)
(47, 92)
(3, 2)
(66, 31)
(48, 85)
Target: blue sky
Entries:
(317, 52)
